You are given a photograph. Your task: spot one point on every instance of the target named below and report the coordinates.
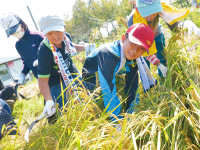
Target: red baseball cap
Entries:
(141, 34)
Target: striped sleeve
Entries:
(153, 59)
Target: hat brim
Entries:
(138, 42)
(12, 30)
(146, 11)
(53, 28)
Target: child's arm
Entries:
(86, 47)
(155, 61)
(45, 90)
(24, 72)
(45, 61)
(79, 48)
(187, 24)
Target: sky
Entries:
(38, 9)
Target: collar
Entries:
(27, 32)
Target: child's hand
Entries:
(35, 63)
(163, 69)
(89, 47)
(21, 80)
(188, 24)
(49, 108)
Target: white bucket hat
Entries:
(51, 23)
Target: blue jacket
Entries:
(109, 60)
(27, 48)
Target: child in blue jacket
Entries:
(118, 58)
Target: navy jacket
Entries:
(27, 48)
(109, 60)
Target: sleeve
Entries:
(153, 59)
(45, 58)
(107, 64)
(131, 84)
(174, 26)
(25, 68)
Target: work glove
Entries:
(163, 69)
(89, 47)
(49, 108)
(22, 80)
(188, 24)
(35, 63)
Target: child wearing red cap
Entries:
(118, 58)
(149, 12)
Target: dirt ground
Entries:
(30, 91)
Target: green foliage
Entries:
(182, 3)
(91, 16)
(194, 17)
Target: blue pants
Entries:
(56, 91)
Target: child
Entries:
(118, 58)
(28, 42)
(149, 12)
(54, 66)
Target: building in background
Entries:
(10, 69)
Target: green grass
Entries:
(168, 116)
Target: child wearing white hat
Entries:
(55, 66)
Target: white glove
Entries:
(89, 47)
(163, 69)
(22, 79)
(49, 108)
(188, 24)
(35, 63)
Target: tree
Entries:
(95, 14)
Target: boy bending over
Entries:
(118, 58)
(55, 65)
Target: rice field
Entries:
(167, 118)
